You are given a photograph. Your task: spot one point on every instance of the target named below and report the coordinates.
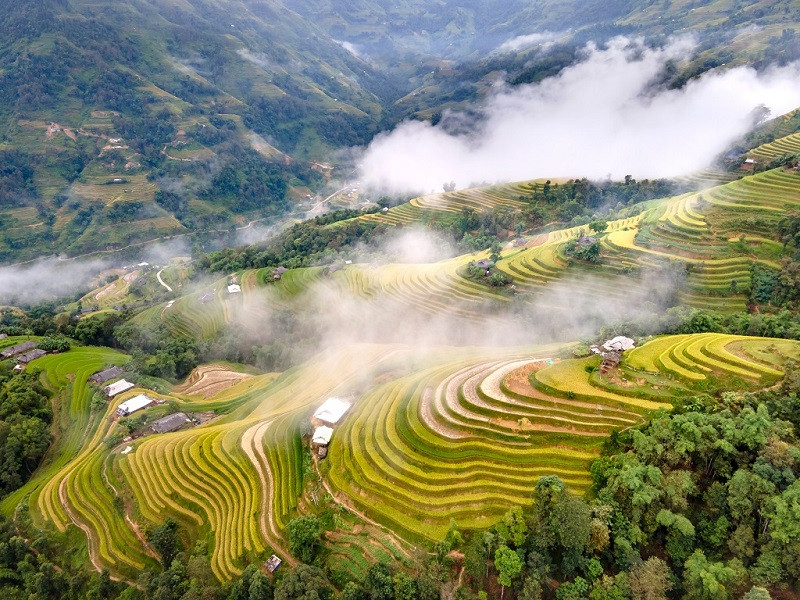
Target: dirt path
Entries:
(90, 545)
(161, 281)
(131, 523)
(253, 444)
(317, 208)
(401, 544)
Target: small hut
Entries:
(18, 349)
(134, 404)
(273, 564)
(331, 411)
(117, 388)
(106, 374)
(170, 423)
(31, 355)
(321, 439)
(611, 361)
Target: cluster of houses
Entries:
(23, 354)
(136, 403)
(324, 419)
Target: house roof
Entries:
(273, 563)
(234, 288)
(117, 388)
(18, 349)
(131, 405)
(322, 435)
(170, 422)
(106, 374)
(332, 410)
(619, 343)
(31, 355)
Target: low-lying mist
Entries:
(370, 302)
(50, 279)
(46, 280)
(603, 116)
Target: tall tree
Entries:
(166, 541)
(305, 533)
(508, 565)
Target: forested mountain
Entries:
(128, 121)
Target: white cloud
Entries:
(598, 117)
(351, 48)
(522, 42)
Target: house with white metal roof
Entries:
(131, 405)
(322, 436)
(117, 388)
(332, 410)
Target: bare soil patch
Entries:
(210, 380)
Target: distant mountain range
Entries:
(131, 121)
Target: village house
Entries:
(106, 375)
(484, 264)
(234, 288)
(748, 165)
(321, 439)
(18, 349)
(117, 388)
(278, 273)
(131, 405)
(273, 564)
(170, 423)
(611, 351)
(619, 344)
(31, 355)
(611, 361)
(331, 411)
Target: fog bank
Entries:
(602, 116)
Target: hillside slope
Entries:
(131, 121)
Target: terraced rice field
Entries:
(789, 144)
(467, 439)
(700, 230)
(432, 436)
(112, 293)
(69, 487)
(695, 358)
(450, 204)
